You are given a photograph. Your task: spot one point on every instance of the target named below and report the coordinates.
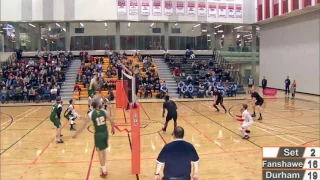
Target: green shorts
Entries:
(56, 122)
(101, 140)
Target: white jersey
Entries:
(247, 119)
(72, 110)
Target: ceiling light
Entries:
(58, 24)
(218, 26)
(215, 33)
(64, 29)
(105, 24)
(238, 27)
(238, 35)
(222, 36)
(208, 34)
(41, 37)
(197, 25)
(247, 35)
(151, 24)
(220, 31)
(209, 39)
(81, 24)
(128, 24)
(106, 29)
(31, 25)
(204, 30)
(176, 24)
(99, 20)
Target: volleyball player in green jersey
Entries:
(55, 117)
(92, 86)
(101, 135)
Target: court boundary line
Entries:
(90, 162)
(42, 152)
(11, 121)
(23, 136)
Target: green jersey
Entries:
(91, 90)
(99, 118)
(56, 111)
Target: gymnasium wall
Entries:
(290, 47)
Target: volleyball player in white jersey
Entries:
(247, 122)
(106, 104)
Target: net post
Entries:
(120, 95)
(135, 135)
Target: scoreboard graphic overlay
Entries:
(294, 163)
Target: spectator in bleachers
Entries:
(180, 85)
(202, 73)
(176, 72)
(148, 90)
(201, 90)
(3, 94)
(163, 90)
(264, 83)
(32, 94)
(183, 91)
(156, 86)
(190, 90)
(189, 79)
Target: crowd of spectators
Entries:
(143, 67)
(33, 79)
(202, 70)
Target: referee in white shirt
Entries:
(177, 157)
(247, 122)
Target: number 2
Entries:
(313, 152)
(100, 121)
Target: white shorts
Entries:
(245, 125)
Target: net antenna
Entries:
(129, 86)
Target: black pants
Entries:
(287, 89)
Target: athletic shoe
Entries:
(72, 129)
(253, 115)
(60, 141)
(260, 118)
(246, 137)
(103, 175)
(248, 131)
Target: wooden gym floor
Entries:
(29, 151)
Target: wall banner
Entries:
(145, 7)
(238, 10)
(122, 8)
(202, 10)
(212, 10)
(157, 8)
(133, 7)
(231, 12)
(222, 10)
(191, 8)
(168, 9)
(180, 8)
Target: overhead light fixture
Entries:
(41, 37)
(81, 24)
(99, 20)
(64, 29)
(46, 39)
(204, 30)
(106, 29)
(258, 28)
(238, 27)
(220, 31)
(208, 34)
(176, 24)
(238, 35)
(247, 35)
(129, 24)
(215, 33)
(1, 31)
(151, 24)
(105, 24)
(222, 36)
(197, 25)
(58, 24)
(31, 25)
(209, 39)
(249, 38)
(218, 26)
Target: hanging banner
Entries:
(191, 8)
(122, 8)
(222, 10)
(180, 8)
(202, 10)
(133, 7)
(231, 12)
(157, 8)
(168, 9)
(145, 8)
(212, 10)
(238, 10)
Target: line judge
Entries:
(177, 157)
